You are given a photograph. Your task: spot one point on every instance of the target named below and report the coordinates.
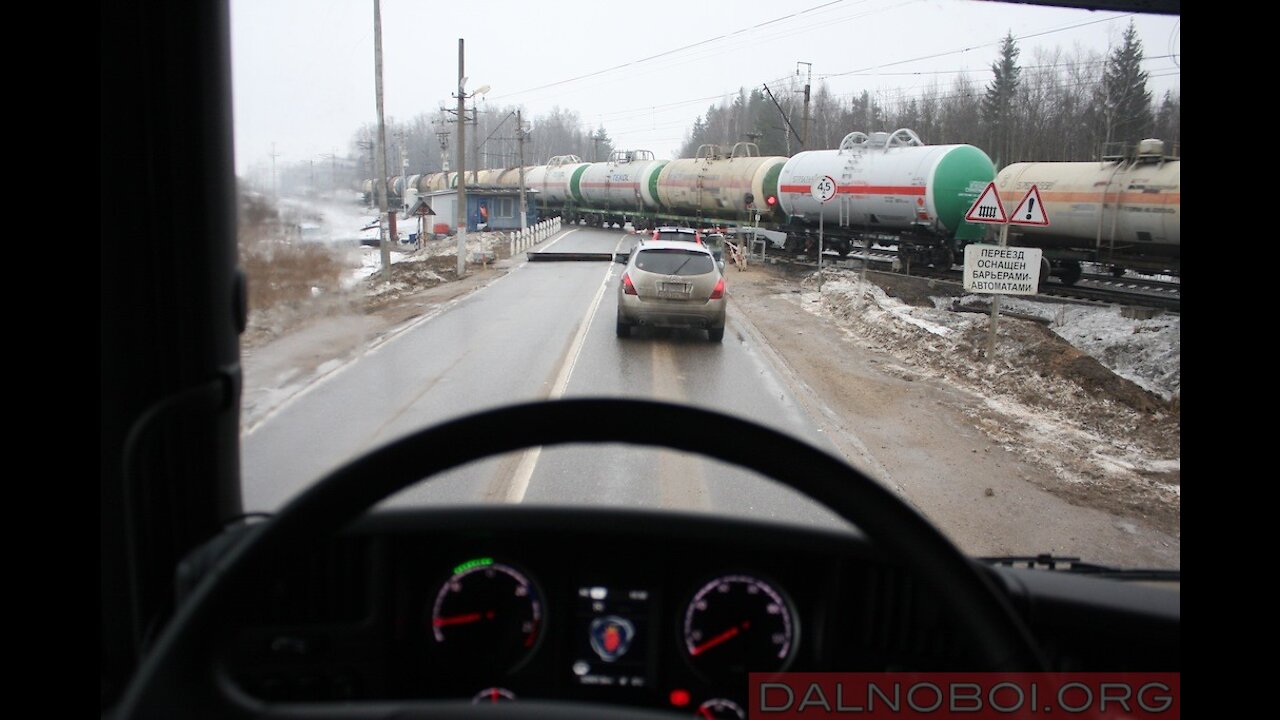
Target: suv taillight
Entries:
(630, 289)
(719, 291)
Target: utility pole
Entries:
(805, 140)
(380, 156)
(524, 217)
(372, 164)
(442, 136)
(462, 155)
(274, 194)
(404, 171)
(785, 118)
(462, 164)
(475, 140)
(333, 178)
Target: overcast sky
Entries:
(303, 70)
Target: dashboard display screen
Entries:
(612, 637)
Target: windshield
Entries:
(674, 262)
(1026, 401)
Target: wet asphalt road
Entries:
(545, 329)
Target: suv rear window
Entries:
(674, 262)
(677, 235)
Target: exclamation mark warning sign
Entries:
(1031, 210)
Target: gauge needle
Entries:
(460, 619)
(727, 634)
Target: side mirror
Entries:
(720, 263)
(621, 258)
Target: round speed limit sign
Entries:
(823, 189)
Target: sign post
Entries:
(1000, 269)
(823, 189)
(988, 209)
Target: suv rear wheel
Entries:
(716, 334)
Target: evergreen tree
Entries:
(997, 105)
(1123, 98)
(603, 144)
(1168, 122)
(866, 115)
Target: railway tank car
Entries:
(1124, 211)
(892, 188)
(551, 181)
(618, 190)
(887, 184)
(713, 185)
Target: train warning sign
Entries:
(1031, 210)
(988, 208)
(1001, 269)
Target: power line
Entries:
(975, 47)
(672, 51)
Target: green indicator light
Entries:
(468, 565)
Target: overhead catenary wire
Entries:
(671, 51)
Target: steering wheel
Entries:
(178, 677)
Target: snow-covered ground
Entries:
(343, 221)
(1146, 352)
(1036, 396)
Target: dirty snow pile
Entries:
(480, 247)
(1145, 352)
(1039, 396)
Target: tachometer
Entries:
(487, 616)
(737, 624)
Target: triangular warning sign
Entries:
(1031, 210)
(988, 208)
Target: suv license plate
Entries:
(676, 290)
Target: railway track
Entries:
(1135, 291)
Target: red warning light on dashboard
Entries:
(679, 697)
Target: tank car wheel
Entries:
(1070, 272)
(1045, 270)
(943, 258)
(1117, 271)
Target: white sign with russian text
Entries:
(1001, 270)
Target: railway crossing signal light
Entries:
(771, 200)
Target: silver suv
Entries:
(672, 284)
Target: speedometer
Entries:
(487, 616)
(737, 624)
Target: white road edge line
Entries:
(524, 471)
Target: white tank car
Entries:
(622, 183)
(552, 180)
(716, 185)
(889, 182)
(1124, 210)
(511, 177)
